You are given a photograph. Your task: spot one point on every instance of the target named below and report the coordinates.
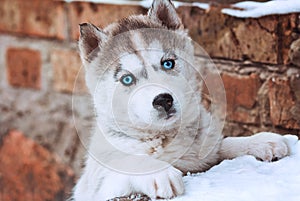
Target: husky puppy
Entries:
(151, 127)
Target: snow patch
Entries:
(253, 9)
(247, 179)
(204, 6)
(246, 9)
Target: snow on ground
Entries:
(246, 179)
(258, 9)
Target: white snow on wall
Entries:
(247, 179)
(253, 9)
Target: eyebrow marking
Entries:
(139, 44)
(117, 71)
(155, 67)
(144, 73)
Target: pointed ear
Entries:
(164, 12)
(90, 41)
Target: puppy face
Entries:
(140, 71)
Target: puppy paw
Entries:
(269, 146)
(163, 184)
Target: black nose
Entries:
(164, 101)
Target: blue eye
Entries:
(127, 80)
(168, 64)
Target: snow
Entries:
(245, 9)
(247, 179)
(258, 9)
(204, 6)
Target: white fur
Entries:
(265, 146)
(131, 63)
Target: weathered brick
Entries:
(214, 93)
(241, 93)
(98, 14)
(23, 67)
(284, 103)
(264, 105)
(265, 39)
(30, 172)
(35, 18)
(236, 129)
(66, 65)
(289, 32)
(257, 39)
(294, 53)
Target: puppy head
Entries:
(140, 71)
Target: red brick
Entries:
(33, 17)
(265, 39)
(66, 64)
(241, 94)
(213, 93)
(264, 105)
(98, 14)
(287, 28)
(23, 67)
(284, 106)
(294, 53)
(30, 172)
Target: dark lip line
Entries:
(171, 113)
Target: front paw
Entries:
(269, 146)
(165, 184)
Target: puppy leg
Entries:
(264, 146)
(165, 184)
(155, 178)
(131, 174)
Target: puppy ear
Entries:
(164, 12)
(90, 40)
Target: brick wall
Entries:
(261, 83)
(39, 63)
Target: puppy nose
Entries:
(164, 101)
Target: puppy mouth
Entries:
(166, 115)
(170, 113)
